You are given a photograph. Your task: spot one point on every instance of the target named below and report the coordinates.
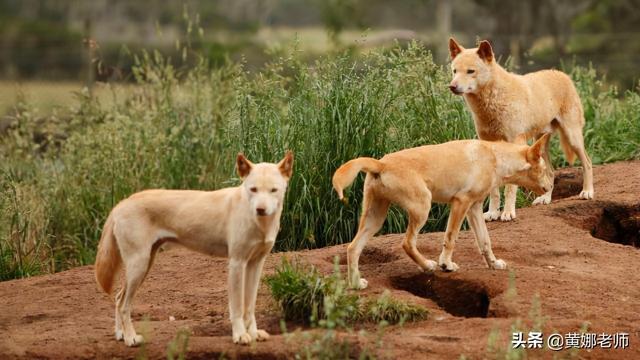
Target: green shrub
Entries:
(298, 290)
(305, 295)
(385, 308)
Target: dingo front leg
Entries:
(482, 237)
(251, 284)
(237, 269)
(509, 211)
(494, 205)
(456, 215)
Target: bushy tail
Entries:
(108, 258)
(569, 154)
(346, 173)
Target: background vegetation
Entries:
(48, 39)
(181, 126)
(331, 80)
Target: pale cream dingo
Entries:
(461, 173)
(239, 222)
(515, 108)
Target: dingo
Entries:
(461, 173)
(240, 222)
(515, 108)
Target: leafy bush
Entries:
(305, 295)
(385, 308)
(298, 290)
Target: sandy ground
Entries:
(580, 279)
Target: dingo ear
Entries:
(286, 165)
(535, 152)
(454, 48)
(243, 165)
(484, 51)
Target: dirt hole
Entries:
(619, 224)
(458, 297)
(370, 255)
(566, 184)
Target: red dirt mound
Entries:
(555, 252)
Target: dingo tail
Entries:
(346, 173)
(108, 257)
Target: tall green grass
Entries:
(181, 126)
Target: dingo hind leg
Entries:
(546, 198)
(119, 333)
(137, 252)
(374, 212)
(511, 190)
(571, 129)
(418, 210)
(135, 271)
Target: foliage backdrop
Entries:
(181, 127)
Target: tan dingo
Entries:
(515, 108)
(240, 222)
(461, 173)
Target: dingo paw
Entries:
(134, 340)
(450, 267)
(242, 339)
(491, 215)
(360, 284)
(261, 335)
(119, 335)
(542, 200)
(499, 264)
(508, 215)
(431, 265)
(586, 194)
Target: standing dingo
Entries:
(239, 222)
(515, 108)
(461, 173)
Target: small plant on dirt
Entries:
(340, 306)
(324, 301)
(305, 295)
(393, 311)
(297, 289)
(177, 348)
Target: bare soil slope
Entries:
(578, 277)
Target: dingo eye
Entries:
(455, 71)
(274, 190)
(253, 189)
(470, 71)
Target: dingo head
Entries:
(265, 183)
(534, 174)
(471, 67)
